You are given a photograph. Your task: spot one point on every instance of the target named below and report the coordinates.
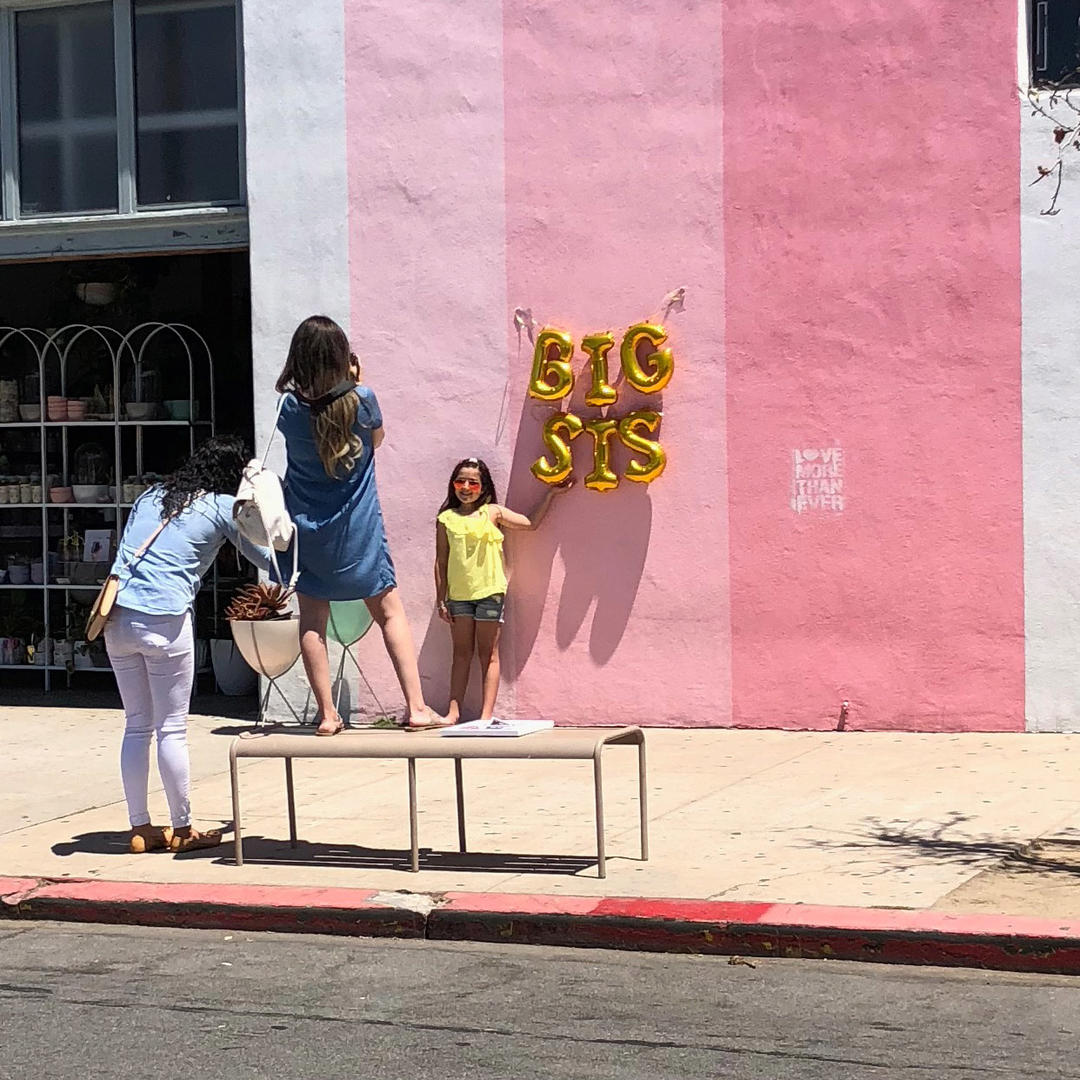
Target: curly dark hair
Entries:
(215, 468)
(487, 485)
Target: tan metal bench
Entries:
(574, 744)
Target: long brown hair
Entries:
(319, 358)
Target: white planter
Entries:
(232, 672)
(270, 647)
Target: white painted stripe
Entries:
(431, 314)
(1050, 257)
(297, 182)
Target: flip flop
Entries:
(195, 841)
(338, 728)
(434, 721)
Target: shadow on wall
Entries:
(434, 660)
(601, 537)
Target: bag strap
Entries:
(146, 545)
(270, 442)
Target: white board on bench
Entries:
(497, 728)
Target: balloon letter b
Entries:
(544, 365)
(598, 346)
(643, 472)
(663, 363)
(602, 478)
(555, 472)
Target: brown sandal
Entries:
(195, 840)
(146, 838)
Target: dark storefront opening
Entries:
(208, 292)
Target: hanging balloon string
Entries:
(673, 301)
(523, 320)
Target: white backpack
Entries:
(259, 511)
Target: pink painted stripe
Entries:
(137, 892)
(871, 306)
(613, 177)
(11, 889)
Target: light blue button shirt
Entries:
(165, 580)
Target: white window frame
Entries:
(128, 208)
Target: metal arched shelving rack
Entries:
(130, 354)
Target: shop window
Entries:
(119, 107)
(1054, 44)
(186, 102)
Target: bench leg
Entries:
(460, 806)
(291, 797)
(643, 801)
(598, 780)
(414, 841)
(238, 847)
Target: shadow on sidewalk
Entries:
(262, 851)
(927, 842)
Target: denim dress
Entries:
(343, 554)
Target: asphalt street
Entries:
(126, 1002)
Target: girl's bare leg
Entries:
(461, 631)
(487, 648)
(313, 616)
(388, 611)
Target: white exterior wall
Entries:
(294, 72)
(1050, 256)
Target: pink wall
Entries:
(850, 250)
(873, 303)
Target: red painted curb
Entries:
(348, 912)
(998, 942)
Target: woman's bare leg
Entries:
(388, 611)
(313, 616)
(461, 632)
(487, 648)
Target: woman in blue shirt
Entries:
(149, 635)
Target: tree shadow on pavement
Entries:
(264, 851)
(925, 842)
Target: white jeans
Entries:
(153, 657)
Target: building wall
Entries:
(844, 213)
(1051, 349)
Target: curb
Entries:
(348, 912)
(875, 935)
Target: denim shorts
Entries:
(490, 609)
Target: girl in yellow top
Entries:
(470, 576)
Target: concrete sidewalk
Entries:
(958, 823)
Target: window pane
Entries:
(186, 109)
(67, 109)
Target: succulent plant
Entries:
(260, 603)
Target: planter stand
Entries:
(271, 647)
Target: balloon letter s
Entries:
(643, 472)
(556, 471)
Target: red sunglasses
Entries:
(467, 483)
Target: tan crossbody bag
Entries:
(106, 597)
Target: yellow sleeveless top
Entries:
(474, 569)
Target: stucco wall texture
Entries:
(841, 518)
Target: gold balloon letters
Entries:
(552, 379)
(555, 472)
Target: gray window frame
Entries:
(126, 172)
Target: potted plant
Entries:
(265, 630)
